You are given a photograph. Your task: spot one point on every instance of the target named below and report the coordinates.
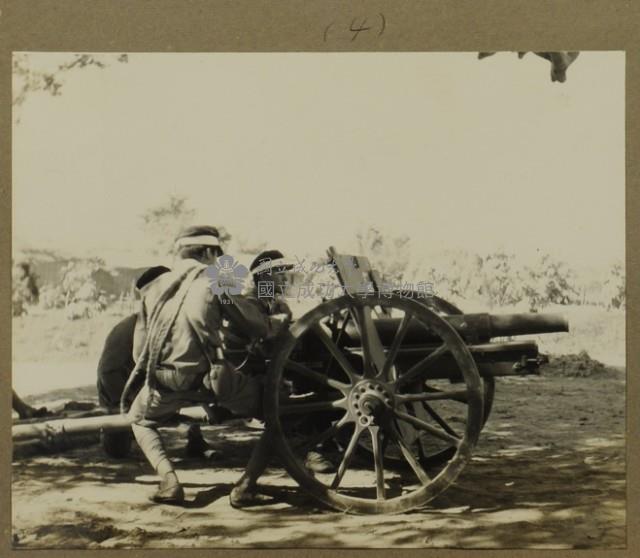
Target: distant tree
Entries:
(24, 288)
(163, 222)
(550, 281)
(388, 255)
(460, 278)
(83, 297)
(615, 287)
(79, 289)
(560, 61)
(28, 79)
(500, 281)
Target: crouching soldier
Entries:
(271, 273)
(114, 368)
(178, 348)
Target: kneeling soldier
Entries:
(177, 345)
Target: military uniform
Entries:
(245, 353)
(192, 319)
(116, 362)
(177, 344)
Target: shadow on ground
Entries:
(549, 472)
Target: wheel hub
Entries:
(369, 401)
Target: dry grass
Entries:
(49, 336)
(599, 332)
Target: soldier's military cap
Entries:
(151, 274)
(270, 261)
(198, 235)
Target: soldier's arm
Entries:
(205, 318)
(281, 307)
(248, 315)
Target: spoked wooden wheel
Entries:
(362, 394)
(446, 308)
(432, 451)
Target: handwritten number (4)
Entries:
(357, 30)
(354, 28)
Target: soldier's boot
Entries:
(196, 444)
(318, 463)
(170, 491)
(150, 442)
(244, 496)
(116, 444)
(245, 492)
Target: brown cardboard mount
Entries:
(328, 26)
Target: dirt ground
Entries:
(548, 472)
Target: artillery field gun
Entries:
(396, 386)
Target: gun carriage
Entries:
(400, 383)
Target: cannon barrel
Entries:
(57, 428)
(60, 427)
(472, 327)
(488, 326)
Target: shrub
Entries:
(79, 293)
(388, 255)
(615, 287)
(24, 288)
(500, 282)
(550, 281)
(52, 296)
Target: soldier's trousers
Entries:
(233, 390)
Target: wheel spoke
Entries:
(422, 457)
(385, 443)
(315, 376)
(378, 459)
(395, 345)
(346, 459)
(365, 339)
(408, 455)
(321, 437)
(311, 407)
(418, 369)
(343, 328)
(335, 351)
(422, 425)
(456, 395)
(443, 423)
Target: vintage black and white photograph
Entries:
(318, 300)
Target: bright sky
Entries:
(304, 149)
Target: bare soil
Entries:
(548, 472)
